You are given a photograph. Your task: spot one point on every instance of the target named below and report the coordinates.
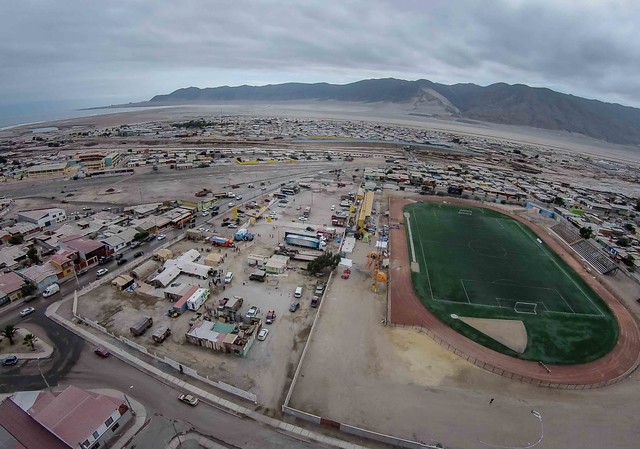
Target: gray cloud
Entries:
(130, 51)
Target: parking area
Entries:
(268, 364)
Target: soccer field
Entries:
(476, 262)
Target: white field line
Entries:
(424, 261)
(561, 269)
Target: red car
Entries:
(102, 352)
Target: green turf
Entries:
(481, 265)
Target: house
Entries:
(12, 256)
(224, 337)
(63, 263)
(10, 286)
(40, 276)
(89, 251)
(20, 430)
(43, 217)
(79, 418)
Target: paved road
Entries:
(76, 364)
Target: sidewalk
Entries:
(216, 401)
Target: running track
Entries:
(406, 309)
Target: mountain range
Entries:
(500, 103)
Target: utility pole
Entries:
(44, 378)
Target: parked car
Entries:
(294, 306)
(228, 277)
(225, 224)
(81, 272)
(102, 352)
(150, 238)
(239, 197)
(262, 335)
(310, 229)
(263, 188)
(27, 311)
(121, 261)
(231, 204)
(271, 317)
(135, 245)
(162, 237)
(189, 399)
(119, 256)
(10, 360)
(303, 218)
(102, 271)
(139, 254)
(232, 225)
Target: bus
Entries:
(288, 191)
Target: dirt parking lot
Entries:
(269, 364)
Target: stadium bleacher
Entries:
(594, 256)
(588, 251)
(567, 232)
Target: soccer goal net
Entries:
(526, 307)
(465, 212)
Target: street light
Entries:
(133, 412)
(42, 374)
(173, 422)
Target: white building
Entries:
(43, 217)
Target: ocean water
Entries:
(28, 113)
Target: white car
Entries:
(231, 204)
(333, 207)
(239, 197)
(101, 272)
(232, 226)
(263, 188)
(201, 229)
(188, 399)
(262, 335)
(204, 214)
(162, 237)
(303, 218)
(228, 277)
(27, 311)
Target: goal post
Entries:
(529, 308)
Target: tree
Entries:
(630, 227)
(586, 232)
(9, 332)
(16, 239)
(28, 288)
(327, 260)
(141, 235)
(30, 341)
(32, 254)
(629, 261)
(623, 242)
(559, 201)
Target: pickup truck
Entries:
(271, 316)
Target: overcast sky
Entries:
(104, 52)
